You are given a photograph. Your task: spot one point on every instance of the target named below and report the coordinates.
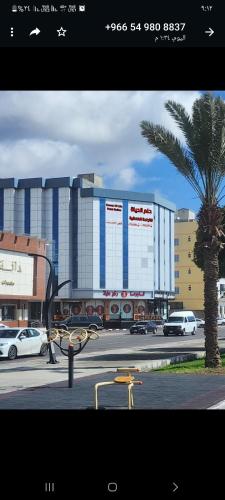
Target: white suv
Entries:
(180, 323)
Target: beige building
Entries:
(189, 285)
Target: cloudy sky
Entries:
(53, 134)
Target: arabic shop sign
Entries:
(16, 273)
(8, 283)
(114, 213)
(140, 216)
(10, 266)
(123, 294)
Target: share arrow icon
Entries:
(35, 32)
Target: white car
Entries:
(3, 326)
(22, 341)
(200, 322)
(220, 321)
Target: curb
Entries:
(160, 363)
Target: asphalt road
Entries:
(110, 340)
(122, 339)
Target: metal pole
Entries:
(47, 306)
(70, 365)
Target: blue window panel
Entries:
(170, 250)
(27, 211)
(102, 242)
(75, 237)
(159, 263)
(1, 209)
(55, 230)
(125, 244)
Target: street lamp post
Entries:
(49, 297)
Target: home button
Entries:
(112, 487)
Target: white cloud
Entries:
(46, 133)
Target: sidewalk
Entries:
(42, 386)
(32, 383)
(159, 391)
(33, 372)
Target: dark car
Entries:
(143, 327)
(91, 322)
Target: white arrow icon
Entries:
(210, 31)
(175, 487)
(35, 32)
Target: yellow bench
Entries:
(126, 379)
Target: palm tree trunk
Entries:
(211, 273)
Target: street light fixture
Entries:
(49, 297)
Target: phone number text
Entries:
(145, 27)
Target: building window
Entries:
(189, 255)
(8, 312)
(189, 238)
(189, 271)
(102, 242)
(189, 288)
(177, 274)
(176, 242)
(144, 263)
(177, 290)
(176, 258)
(27, 211)
(1, 209)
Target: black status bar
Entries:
(98, 23)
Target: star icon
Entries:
(61, 32)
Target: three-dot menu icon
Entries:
(11, 31)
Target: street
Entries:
(30, 382)
(111, 350)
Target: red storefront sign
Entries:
(123, 294)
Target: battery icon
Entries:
(14, 8)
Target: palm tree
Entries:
(201, 160)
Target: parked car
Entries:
(22, 341)
(144, 327)
(3, 326)
(90, 322)
(200, 322)
(220, 321)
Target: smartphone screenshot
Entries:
(112, 233)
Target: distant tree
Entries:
(201, 160)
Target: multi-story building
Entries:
(117, 247)
(22, 279)
(189, 284)
(189, 291)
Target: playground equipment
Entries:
(127, 380)
(78, 338)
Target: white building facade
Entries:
(116, 247)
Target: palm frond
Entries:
(166, 143)
(202, 159)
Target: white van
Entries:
(180, 323)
